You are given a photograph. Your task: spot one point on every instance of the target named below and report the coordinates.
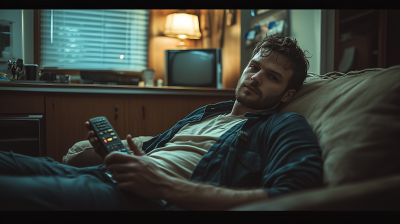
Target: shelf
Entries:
(19, 140)
(358, 16)
(113, 89)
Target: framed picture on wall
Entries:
(267, 22)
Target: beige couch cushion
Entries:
(82, 154)
(356, 119)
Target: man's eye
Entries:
(274, 78)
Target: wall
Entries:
(305, 26)
(314, 31)
(22, 36)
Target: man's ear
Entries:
(288, 95)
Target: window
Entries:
(94, 39)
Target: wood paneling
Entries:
(156, 114)
(231, 54)
(392, 38)
(337, 31)
(196, 102)
(382, 38)
(158, 43)
(137, 114)
(13, 102)
(376, 28)
(51, 130)
(153, 115)
(66, 117)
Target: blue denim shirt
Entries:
(277, 152)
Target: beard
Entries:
(258, 102)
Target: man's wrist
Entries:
(200, 196)
(174, 188)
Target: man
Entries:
(220, 156)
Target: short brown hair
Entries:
(298, 61)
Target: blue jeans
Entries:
(40, 183)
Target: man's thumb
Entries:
(134, 148)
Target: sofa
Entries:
(356, 119)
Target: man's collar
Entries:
(221, 106)
(260, 114)
(228, 105)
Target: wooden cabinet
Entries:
(138, 115)
(65, 112)
(151, 115)
(372, 33)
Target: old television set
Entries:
(193, 68)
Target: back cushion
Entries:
(356, 119)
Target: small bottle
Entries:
(159, 82)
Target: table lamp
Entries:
(182, 25)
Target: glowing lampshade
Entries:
(182, 25)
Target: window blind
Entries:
(94, 39)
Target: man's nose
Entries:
(256, 79)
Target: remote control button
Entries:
(115, 137)
(123, 150)
(112, 134)
(110, 130)
(109, 139)
(105, 141)
(101, 133)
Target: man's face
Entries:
(262, 83)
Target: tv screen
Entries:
(193, 68)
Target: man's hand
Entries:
(137, 173)
(98, 148)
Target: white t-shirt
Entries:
(182, 153)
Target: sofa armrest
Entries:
(377, 194)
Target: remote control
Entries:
(106, 134)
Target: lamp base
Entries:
(181, 45)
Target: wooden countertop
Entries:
(111, 89)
